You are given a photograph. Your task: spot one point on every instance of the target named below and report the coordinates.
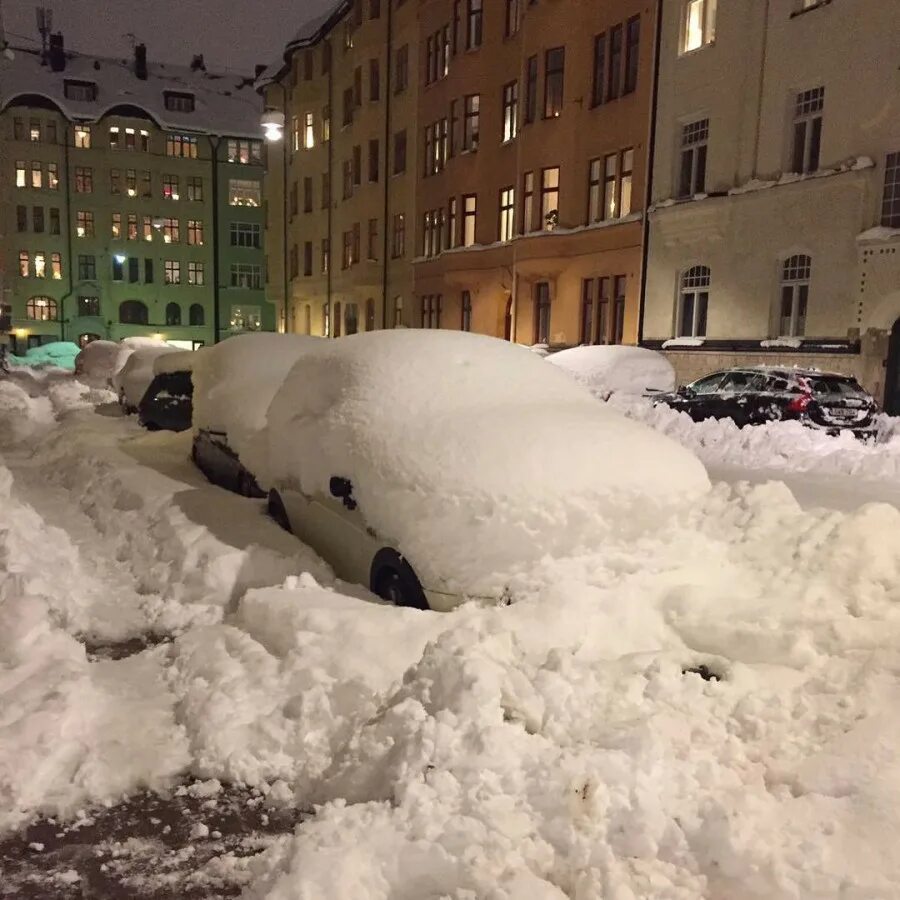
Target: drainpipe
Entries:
(71, 258)
(214, 147)
(651, 157)
(331, 182)
(388, 72)
(760, 88)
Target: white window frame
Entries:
(698, 25)
(796, 273)
(695, 282)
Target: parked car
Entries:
(752, 396)
(439, 466)
(168, 402)
(98, 362)
(235, 381)
(132, 380)
(617, 369)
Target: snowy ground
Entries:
(556, 748)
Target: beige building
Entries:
(344, 177)
(775, 231)
(486, 166)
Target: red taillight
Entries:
(799, 404)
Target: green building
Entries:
(130, 200)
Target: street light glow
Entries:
(120, 258)
(273, 125)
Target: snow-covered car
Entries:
(133, 379)
(439, 466)
(55, 354)
(608, 369)
(98, 363)
(234, 381)
(752, 396)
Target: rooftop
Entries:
(223, 104)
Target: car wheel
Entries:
(243, 484)
(151, 426)
(277, 512)
(394, 580)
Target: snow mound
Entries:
(182, 361)
(57, 354)
(133, 379)
(447, 434)
(616, 369)
(99, 362)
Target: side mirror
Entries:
(684, 391)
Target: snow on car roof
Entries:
(181, 361)
(465, 444)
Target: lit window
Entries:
(699, 24)
(309, 131)
(21, 178)
(40, 264)
(246, 275)
(244, 152)
(116, 230)
(245, 318)
(83, 137)
(84, 224)
(550, 198)
(507, 213)
(510, 110)
(52, 176)
(171, 231)
(170, 187)
(181, 145)
(172, 269)
(470, 212)
(195, 232)
(42, 309)
(34, 130)
(36, 175)
(195, 276)
(243, 192)
(114, 137)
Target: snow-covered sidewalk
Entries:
(557, 748)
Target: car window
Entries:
(835, 387)
(758, 382)
(707, 384)
(734, 383)
(777, 384)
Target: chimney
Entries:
(260, 68)
(140, 61)
(197, 63)
(57, 53)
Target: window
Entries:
(21, 218)
(401, 71)
(196, 313)
(172, 270)
(43, 309)
(295, 134)
(795, 275)
(470, 122)
(52, 176)
(609, 187)
(242, 152)
(470, 212)
(372, 239)
(370, 314)
(357, 165)
(24, 264)
(173, 314)
(632, 53)
(618, 323)
(307, 258)
(598, 82)
(326, 124)
(510, 110)
(18, 129)
(400, 152)
(347, 179)
(694, 138)
(87, 338)
(148, 271)
(507, 213)
(82, 91)
(245, 234)
(346, 250)
(549, 198)
(83, 137)
(145, 141)
(326, 255)
(195, 276)
(374, 9)
(36, 175)
(170, 187)
(693, 302)
(473, 24)
(195, 188)
(147, 228)
(554, 68)
(116, 225)
(347, 107)
(431, 310)
(466, 311)
(182, 145)
(115, 181)
(178, 101)
(133, 312)
(351, 318)
(20, 174)
(614, 201)
(807, 130)
(531, 75)
(84, 180)
(586, 334)
(293, 201)
(244, 193)
(118, 268)
(34, 130)
(398, 311)
(245, 318)
(294, 264)
(171, 230)
(54, 220)
(195, 232)
(451, 222)
(374, 159)
(132, 232)
(398, 236)
(37, 215)
(337, 319)
(614, 73)
(87, 268)
(699, 28)
(88, 306)
(56, 266)
(326, 320)
(542, 313)
(84, 224)
(511, 19)
(146, 186)
(890, 202)
(307, 194)
(309, 131)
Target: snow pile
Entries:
(786, 446)
(21, 415)
(133, 379)
(234, 382)
(57, 354)
(181, 361)
(99, 362)
(617, 369)
(445, 434)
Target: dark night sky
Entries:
(235, 34)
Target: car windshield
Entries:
(706, 385)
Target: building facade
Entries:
(775, 225)
(486, 164)
(130, 200)
(341, 186)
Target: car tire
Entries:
(277, 512)
(393, 579)
(244, 487)
(151, 426)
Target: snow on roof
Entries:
(224, 104)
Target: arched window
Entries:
(43, 309)
(370, 314)
(196, 315)
(693, 302)
(85, 339)
(173, 314)
(351, 318)
(133, 312)
(795, 275)
(398, 311)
